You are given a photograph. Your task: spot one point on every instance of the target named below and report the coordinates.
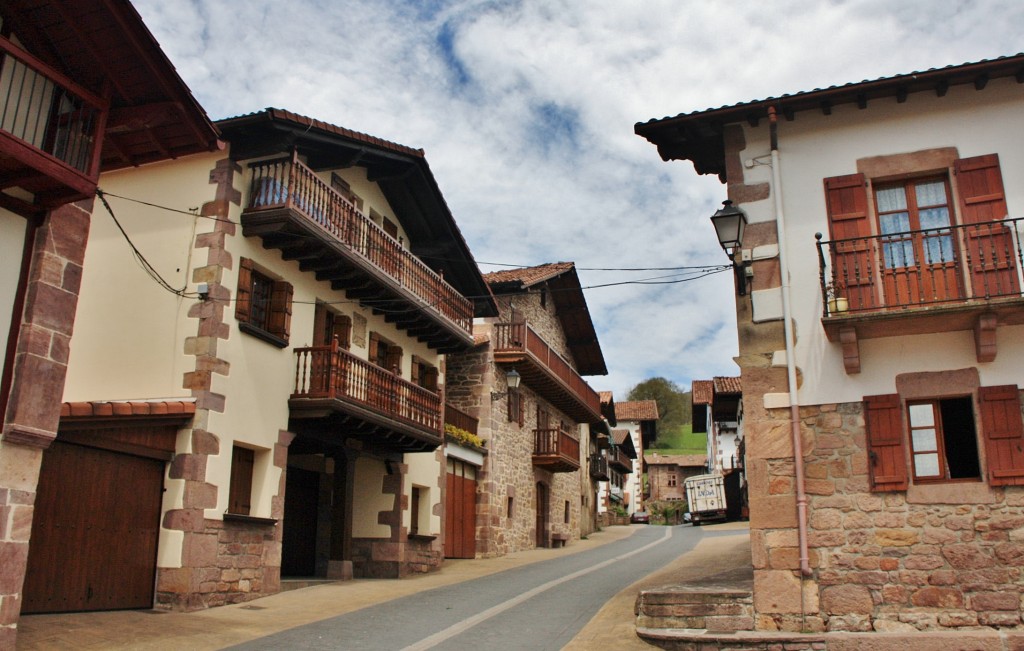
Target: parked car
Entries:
(640, 517)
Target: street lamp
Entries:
(730, 223)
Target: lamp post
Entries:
(730, 223)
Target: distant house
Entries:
(880, 345)
(667, 472)
(640, 419)
(540, 421)
(84, 89)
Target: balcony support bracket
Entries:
(851, 349)
(985, 337)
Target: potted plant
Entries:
(837, 303)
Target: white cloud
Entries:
(526, 113)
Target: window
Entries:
(918, 246)
(240, 488)
(419, 500)
(943, 444)
(385, 354)
(941, 441)
(516, 407)
(423, 374)
(510, 507)
(568, 511)
(263, 306)
(671, 480)
(329, 325)
(344, 189)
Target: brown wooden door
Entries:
(460, 511)
(94, 532)
(542, 515)
(301, 503)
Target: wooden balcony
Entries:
(460, 419)
(599, 467)
(545, 371)
(555, 450)
(51, 129)
(963, 277)
(620, 461)
(297, 213)
(338, 396)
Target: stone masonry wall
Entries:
(882, 563)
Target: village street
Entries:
(527, 604)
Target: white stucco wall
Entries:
(12, 244)
(816, 146)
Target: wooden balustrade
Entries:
(599, 467)
(332, 372)
(622, 461)
(288, 183)
(556, 449)
(460, 419)
(520, 337)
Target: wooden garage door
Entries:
(94, 531)
(460, 511)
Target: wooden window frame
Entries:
(940, 441)
(263, 305)
(424, 374)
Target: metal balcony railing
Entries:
(960, 263)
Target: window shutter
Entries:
(853, 263)
(887, 456)
(320, 325)
(374, 348)
(243, 298)
(281, 309)
(393, 362)
(343, 330)
(990, 248)
(240, 489)
(1004, 434)
(430, 375)
(414, 373)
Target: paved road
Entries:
(538, 606)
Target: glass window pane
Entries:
(922, 415)
(898, 222)
(924, 440)
(938, 248)
(891, 199)
(934, 217)
(931, 193)
(926, 465)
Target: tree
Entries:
(675, 408)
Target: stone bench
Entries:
(559, 539)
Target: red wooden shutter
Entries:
(321, 336)
(1004, 434)
(374, 348)
(414, 375)
(887, 456)
(853, 261)
(343, 330)
(990, 248)
(281, 309)
(240, 489)
(243, 298)
(429, 378)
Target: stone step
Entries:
(303, 582)
(717, 608)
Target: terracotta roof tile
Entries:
(702, 391)
(637, 410)
(728, 385)
(683, 460)
(528, 275)
(119, 408)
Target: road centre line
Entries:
(461, 627)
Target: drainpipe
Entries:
(787, 311)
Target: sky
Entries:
(525, 110)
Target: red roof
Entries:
(682, 460)
(702, 391)
(637, 410)
(728, 385)
(528, 276)
(127, 408)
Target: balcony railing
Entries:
(599, 467)
(460, 419)
(621, 461)
(332, 373)
(556, 450)
(571, 393)
(288, 183)
(49, 123)
(955, 264)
